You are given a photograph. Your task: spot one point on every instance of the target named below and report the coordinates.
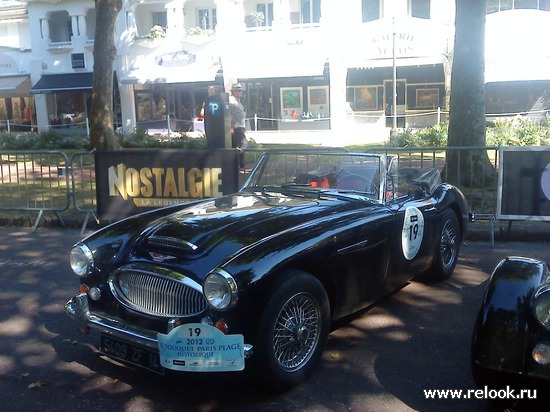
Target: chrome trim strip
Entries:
(362, 245)
(357, 246)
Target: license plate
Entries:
(129, 353)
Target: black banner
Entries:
(524, 182)
(134, 181)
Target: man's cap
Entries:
(236, 86)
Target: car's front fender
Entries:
(501, 336)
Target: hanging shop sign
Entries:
(134, 181)
(524, 183)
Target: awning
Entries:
(12, 86)
(172, 73)
(401, 62)
(59, 83)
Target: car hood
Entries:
(233, 222)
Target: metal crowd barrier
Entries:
(35, 181)
(82, 169)
(47, 181)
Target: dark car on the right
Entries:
(511, 339)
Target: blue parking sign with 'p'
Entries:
(215, 109)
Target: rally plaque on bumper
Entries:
(197, 347)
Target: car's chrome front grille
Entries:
(156, 294)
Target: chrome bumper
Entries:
(79, 309)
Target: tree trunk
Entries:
(102, 135)
(467, 125)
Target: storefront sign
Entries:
(134, 181)
(524, 183)
(404, 44)
(7, 65)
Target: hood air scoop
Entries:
(173, 243)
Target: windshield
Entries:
(331, 172)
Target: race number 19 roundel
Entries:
(413, 231)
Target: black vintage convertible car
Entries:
(258, 277)
(511, 340)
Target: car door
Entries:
(360, 258)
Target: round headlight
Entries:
(542, 307)
(81, 259)
(220, 289)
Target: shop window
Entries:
(318, 101)
(310, 11)
(292, 104)
(144, 107)
(68, 110)
(371, 10)
(151, 106)
(17, 110)
(419, 8)
(61, 29)
(364, 98)
(207, 19)
(267, 10)
(3, 110)
(427, 98)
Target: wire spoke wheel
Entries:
(297, 332)
(293, 329)
(448, 247)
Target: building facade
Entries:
(16, 103)
(363, 69)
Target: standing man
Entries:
(238, 118)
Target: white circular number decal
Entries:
(545, 181)
(413, 231)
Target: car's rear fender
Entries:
(501, 336)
